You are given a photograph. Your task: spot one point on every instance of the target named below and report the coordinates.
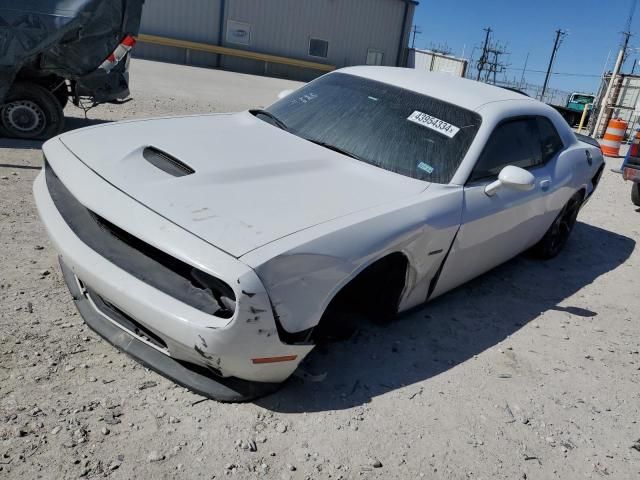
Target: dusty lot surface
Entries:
(531, 371)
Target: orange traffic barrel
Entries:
(634, 149)
(610, 143)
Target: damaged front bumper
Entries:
(118, 329)
(238, 346)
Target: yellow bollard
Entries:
(584, 115)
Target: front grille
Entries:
(145, 262)
(123, 319)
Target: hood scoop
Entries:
(166, 162)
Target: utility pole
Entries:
(556, 45)
(495, 66)
(625, 45)
(483, 57)
(416, 31)
(524, 69)
(603, 102)
(627, 31)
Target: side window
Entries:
(318, 48)
(374, 57)
(551, 141)
(512, 143)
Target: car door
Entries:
(496, 228)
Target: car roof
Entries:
(459, 91)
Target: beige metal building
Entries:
(329, 33)
(436, 62)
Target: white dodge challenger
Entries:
(218, 249)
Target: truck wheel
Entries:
(62, 95)
(31, 112)
(635, 194)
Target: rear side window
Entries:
(549, 138)
(516, 142)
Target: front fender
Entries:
(302, 281)
(301, 285)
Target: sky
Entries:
(594, 29)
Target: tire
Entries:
(635, 194)
(59, 87)
(338, 326)
(556, 237)
(31, 112)
(62, 95)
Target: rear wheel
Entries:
(558, 234)
(31, 111)
(635, 194)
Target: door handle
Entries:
(545, 184)
(589, 157)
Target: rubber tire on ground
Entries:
(59, 88)
(635, 194)
(62, 95)
(558, 233)
(43, 98)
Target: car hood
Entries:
(253, 183)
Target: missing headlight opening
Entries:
(221, 292)
(142, 260)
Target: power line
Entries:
(566, 74)
(442, 48)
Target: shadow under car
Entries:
(453, 328)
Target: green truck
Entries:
(576, 103)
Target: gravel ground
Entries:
(531, 371)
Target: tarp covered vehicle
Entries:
(54, 50)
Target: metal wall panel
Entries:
(351, 27)
(280, 27)
(195, 20)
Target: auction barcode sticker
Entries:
(433, 123)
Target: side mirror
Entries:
(284, 93)
(512, 177)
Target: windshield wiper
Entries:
(332, 147)
(278, 123)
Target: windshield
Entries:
(383, 125)
(579, 98)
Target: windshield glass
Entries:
(579, 98)
(383, 125)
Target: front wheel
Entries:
(635, 194)
(559, 231)
(31, 111)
